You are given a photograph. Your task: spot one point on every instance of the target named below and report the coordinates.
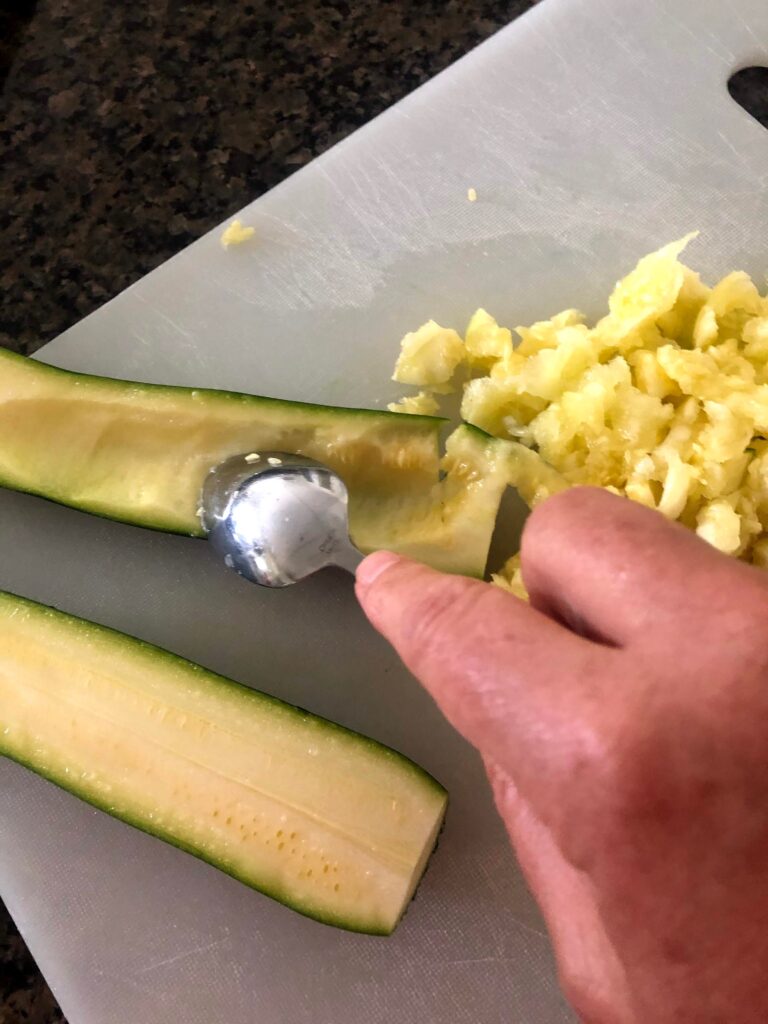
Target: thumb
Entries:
(509, 678)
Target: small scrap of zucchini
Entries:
(331, 823)
(140, 452)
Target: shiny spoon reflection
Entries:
(277, 518)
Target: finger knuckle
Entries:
(443, 609)
(576, 509)
(732, 623)
(620, 783)
(582, 994)
(638, 791)
(661, 765)
(750, 611)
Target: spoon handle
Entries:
(349, 558)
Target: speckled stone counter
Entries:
(128, 130)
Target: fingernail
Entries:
(373, 566)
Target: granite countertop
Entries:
(126, 131)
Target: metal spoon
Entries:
(277, 518)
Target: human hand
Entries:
(623, 720)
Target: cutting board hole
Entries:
(749, 87)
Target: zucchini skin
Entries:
(181, 390)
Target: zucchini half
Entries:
(139, 453)
(331, 823)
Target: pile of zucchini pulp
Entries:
(329, 822)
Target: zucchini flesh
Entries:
(331, 823)
(140, 452)
(451, 526)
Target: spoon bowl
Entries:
(277, 518)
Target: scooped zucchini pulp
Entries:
(140, 452)
(327, 821)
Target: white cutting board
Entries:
(593, 131)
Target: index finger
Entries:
(519, 686)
